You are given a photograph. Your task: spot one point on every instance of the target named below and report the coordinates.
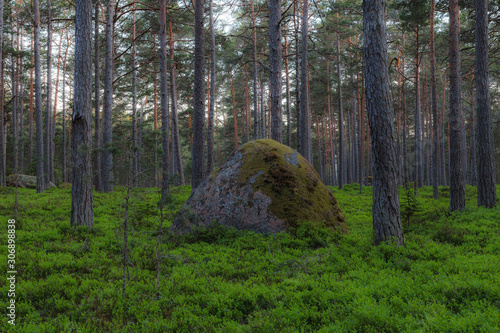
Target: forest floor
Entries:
(445, 279)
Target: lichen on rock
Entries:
(265, 187)
(24, 181)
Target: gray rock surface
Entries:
(265, 187)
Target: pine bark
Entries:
(247, 106)
(320, 166)
(81, 193)
(64, 157)
(155, 124)
(49, 159)
(40, 172)
(419, 163)
(197, 153)
(262, 110)
(2, 125)
(275, 68)
(15, 99)
(20, 101)
(176, 143)
(305, 116)
(287, 96)
(164, 101)
(486, 189)
(60, 61)
(341, 159)
(255, 94)
(386, 211)
(457, 122)
(107, 131)
(235, 114)
(97, 122)
(473, 146)
(435, 120)
(296, 24)
(32, 111)
(135, 171)
(354, 166)
(210, 131)
(139, 137)
(442, 166)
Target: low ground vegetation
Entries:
(217, 280)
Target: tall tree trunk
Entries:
(197, 153)
(419, 176)
(354, 138)
(82, 212)
(360, 143)
(164, 101)
(40, 174)
(107, 130)
(64, 171)
(441, 136)
(64, 151)
(97, 127)
(247, 106)
(56, 92)
(287, 93)
(32, 112)
(386, 212)
(49, 159)
(155, 124)
(406, 164)
(330, 116)
(235, 115)
(296, 23)
(341, 160)
(210, 131)
(69, 136)
(255, 94)
(15, 99)
(176, 143)
(473, 153)
(262, 110)
(399, 130)
(334, 159)
(135, 172)
(435, 120)
(275, 68)
(139, 137)
(348, 148)
(318, 140)
(362, 125)
(305, 116)
(486, 189)
(21, 96)
(457, 123)
(2, 125)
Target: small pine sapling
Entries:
(410, 206)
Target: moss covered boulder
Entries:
(265, 187)
(24, 181)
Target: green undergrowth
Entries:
(445, 279)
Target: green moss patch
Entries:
(291, 182)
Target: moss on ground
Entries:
(445, 279)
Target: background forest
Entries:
(240, 81)
(154, 95)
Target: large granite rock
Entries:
(24, 181)
(264, 186)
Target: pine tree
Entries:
(386, 210)
(486, 189)
(82, 212)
